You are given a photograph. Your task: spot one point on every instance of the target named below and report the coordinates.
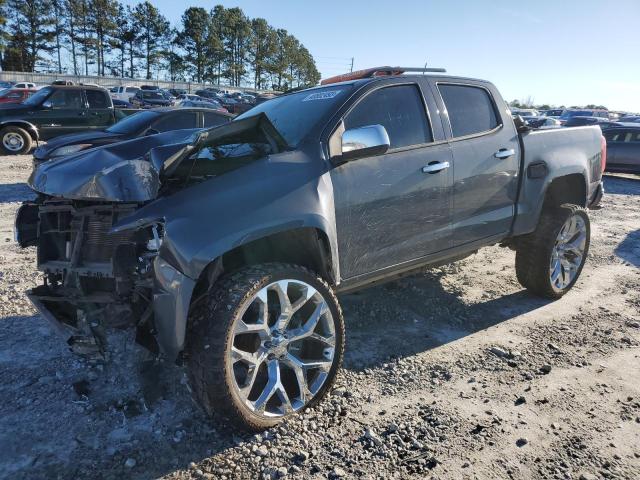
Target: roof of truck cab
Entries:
(75, 87)
(413, 76)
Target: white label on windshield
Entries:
(321, 95)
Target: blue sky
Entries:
(558, 52)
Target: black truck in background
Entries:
(52, 111)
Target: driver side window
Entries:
(399, 109)
(66, 99)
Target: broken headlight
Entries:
(154, 243)
(69, 149)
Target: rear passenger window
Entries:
(97, 99)
(471, 109)
(213, 119)
(399, 110)
(176, 121)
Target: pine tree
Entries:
(153, 31)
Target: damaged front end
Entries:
(103, 266)
(93, 279)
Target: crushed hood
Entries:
(130, 171)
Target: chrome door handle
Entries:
(435, 167)
(504, 153)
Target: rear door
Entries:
(623, 149)
(67, 113)
(486, 154)
(100, 109)
(388, 210)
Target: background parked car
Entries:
(146, 122)
(582, 121)
(543, 122)
(124, 92)
(4, 84)
(150, 98)
(53, 111)
(554, 112)
(62, 82)
(570, 113)
(25, 85)
(121, 104)
(201, 104)
(16, 95)
(623, 149)
(264, 97)
(525, 112)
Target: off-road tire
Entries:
(208, 337)
(533, 251)
(27, 141)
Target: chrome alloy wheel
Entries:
(13, 141)
(283, 348)
(568, 253)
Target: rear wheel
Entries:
(266, 344)
(550, 260)
(15, 140)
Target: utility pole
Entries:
(351, 71)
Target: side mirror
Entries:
(364, 142)
(47, 104)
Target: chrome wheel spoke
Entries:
(310, 325)
(301, 376)
(329, 340)
(287, 309)
(576, 245)
(251, 358)
(273, 383)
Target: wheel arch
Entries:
(308, 246)
(28, 126)
(571, 188)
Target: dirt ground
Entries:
(455, 372)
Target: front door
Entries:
(388, 210)
(486, 152)
(67, 114)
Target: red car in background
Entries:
(16, 95)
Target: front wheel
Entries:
(15, 141)
(550, 260)
(266, 343)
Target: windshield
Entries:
(133, 123)
(296, 114)
(38, 97)
(576, 113)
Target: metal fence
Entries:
(108, 82)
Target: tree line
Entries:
(104, 37)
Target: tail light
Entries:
(603, 153)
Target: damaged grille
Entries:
(74, 236)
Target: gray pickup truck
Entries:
(225, 251)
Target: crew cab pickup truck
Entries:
(52, 111)
(225, 250)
